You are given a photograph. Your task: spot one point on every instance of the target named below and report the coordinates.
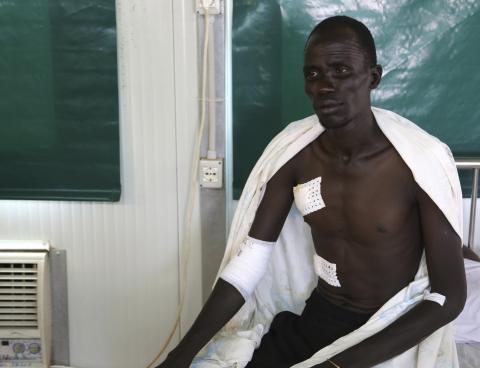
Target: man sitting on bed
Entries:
(370, 223)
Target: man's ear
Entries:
(376, 76)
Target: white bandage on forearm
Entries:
(247, 268)
(434, 297)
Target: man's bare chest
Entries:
(365, 201)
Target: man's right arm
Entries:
(226, 299)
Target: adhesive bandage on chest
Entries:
(434, 297)
(248, 266)
(325, 270)
(308, 196)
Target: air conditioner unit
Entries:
(24, 305)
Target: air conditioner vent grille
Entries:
(18, 295)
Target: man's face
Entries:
(338, 78)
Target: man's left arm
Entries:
(443, 250)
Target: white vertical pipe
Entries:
(212, 147)
(228, 115)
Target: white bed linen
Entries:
(467, 325)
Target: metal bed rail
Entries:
(466, 163)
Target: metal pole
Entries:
(473, 208)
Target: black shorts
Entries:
(293, 339)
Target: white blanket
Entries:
(290, 278)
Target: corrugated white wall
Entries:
(123, 258)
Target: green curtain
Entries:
(59, 135)
(428, 49)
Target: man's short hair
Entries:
(342, 22)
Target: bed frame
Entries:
(471, 164)
(469, 354)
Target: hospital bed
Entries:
(467, 325)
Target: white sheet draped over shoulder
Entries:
(290, 277)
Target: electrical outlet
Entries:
(211, 173)
(214, 6)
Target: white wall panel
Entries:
(123, 258)
(187, 116)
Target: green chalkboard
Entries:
(59, 135)
(428, 49)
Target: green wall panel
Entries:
(59, 134)
(428, 49)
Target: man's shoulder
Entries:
(294, 137)
(401, 130)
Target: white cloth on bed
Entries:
(467, 324)
(290, 276)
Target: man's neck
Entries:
(360, 136)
